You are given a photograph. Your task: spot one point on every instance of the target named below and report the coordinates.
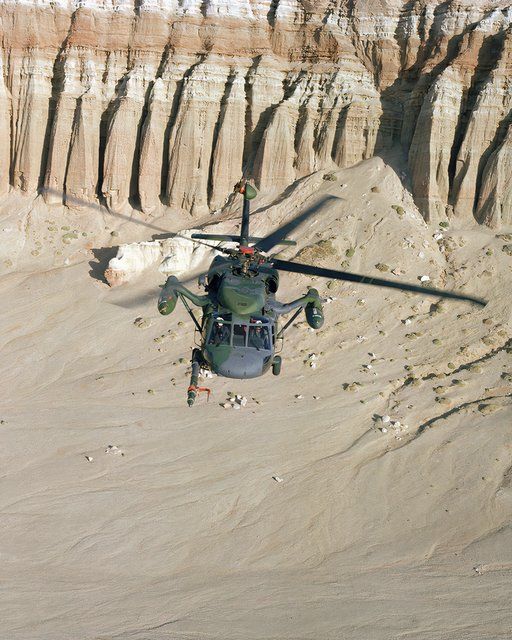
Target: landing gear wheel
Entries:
(276, 365)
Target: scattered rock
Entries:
(330, 177)
(142, 323)
(486, 409)
(353, 386)
(507, 248)
(114, 449)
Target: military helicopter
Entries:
(239, 325)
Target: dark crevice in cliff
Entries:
(134, 197)
(497, 140)
(271, 15)
(426, 50)
(299, 129)
(176, 100)
(257, 137)
(105, 124)
(74, 133)
(248, 152)
(57, 83)
(488, 59)
(228, 88)
(203, 8)
(340, 127)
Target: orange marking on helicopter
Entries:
(199, 390)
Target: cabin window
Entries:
(239, 332)
(220, 334)
(259, 337)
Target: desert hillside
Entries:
(368, 496)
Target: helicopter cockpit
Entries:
(239, 347)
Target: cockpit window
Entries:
(239, 332)
(220, 334)
(259, 337)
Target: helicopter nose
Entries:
(246, 363)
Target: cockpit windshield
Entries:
(220, 333)
(239, 334)
(259, 337)
(254, 334)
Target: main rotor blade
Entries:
(233, 238)
(294, 267)
(279, 234)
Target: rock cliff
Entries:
(165, 104)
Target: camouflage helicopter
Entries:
(239, 325)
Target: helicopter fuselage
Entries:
(239, 328)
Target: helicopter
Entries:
(239, 325)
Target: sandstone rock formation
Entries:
(165, 104)
(175, 256)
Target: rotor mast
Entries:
(248, 192)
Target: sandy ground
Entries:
(183, 533)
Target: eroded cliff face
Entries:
(167, 103)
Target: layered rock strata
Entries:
(159, 104)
